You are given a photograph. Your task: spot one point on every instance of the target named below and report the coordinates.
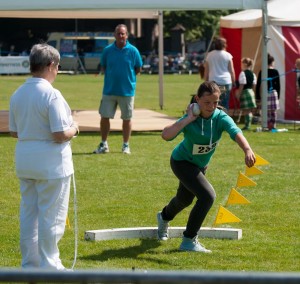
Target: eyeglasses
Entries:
(58, 65)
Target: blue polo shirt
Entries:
(120, 64)
(202, 136)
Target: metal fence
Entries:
(161, 277)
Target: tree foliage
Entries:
(198, 24)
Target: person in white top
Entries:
(219, 67)
(41, 120)
(245, 93)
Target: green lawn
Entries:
(84, 91)
(116, 190)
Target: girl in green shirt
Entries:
(190, 158)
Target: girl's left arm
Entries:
(244, 145)
(231, 71)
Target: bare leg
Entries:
(126, 130)
(104, 128)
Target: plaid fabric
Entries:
(273, 102)
(272, 116)
(247, 99)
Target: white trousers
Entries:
(43, 213)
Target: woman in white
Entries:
(218, 67)
(41, 120)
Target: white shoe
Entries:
(192, 245)
(101, 149)
(163, 226)
(126, 149)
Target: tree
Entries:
(198, 24)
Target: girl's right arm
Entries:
(239, 91)
(172, 130)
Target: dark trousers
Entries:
(192, 183)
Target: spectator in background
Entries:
(297, 66)
(120, 62)
(245, 93)
(273, 92)
(12, 51)
(219, 68)
(81, 60)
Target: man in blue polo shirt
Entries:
(120, 63)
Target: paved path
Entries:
(144, 120)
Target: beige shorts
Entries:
(108, 106)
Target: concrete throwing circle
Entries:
(151, 233)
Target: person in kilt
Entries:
(297, 70)
(273, 92)
(245, 92)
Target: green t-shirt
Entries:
(201, 138)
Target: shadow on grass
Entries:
(95, 155)
(133, 252)
(119, 133)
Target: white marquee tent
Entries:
(73, 8)
(79, 5)
(243, 33)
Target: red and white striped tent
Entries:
(243, 31)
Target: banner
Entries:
(243, 180)
(253, 171)
(225, 216)
(236, 198)
(14, 65)
(260, 161)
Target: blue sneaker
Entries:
(163, 226)
(188, 244)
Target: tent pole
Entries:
(161, 58)
(264, 69)
(256, 53)
(210, 43)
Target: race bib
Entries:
(203, 149)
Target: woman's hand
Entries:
(67, 135)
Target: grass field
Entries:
(84, 91)
(116, 191)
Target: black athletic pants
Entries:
(192, 183)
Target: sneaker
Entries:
(162, 231)
(192, 245)
(246, 128)
(101, 149)
(126, 149)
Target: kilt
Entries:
(247, 99)
(273, 102)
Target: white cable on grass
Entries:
(75, 223)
